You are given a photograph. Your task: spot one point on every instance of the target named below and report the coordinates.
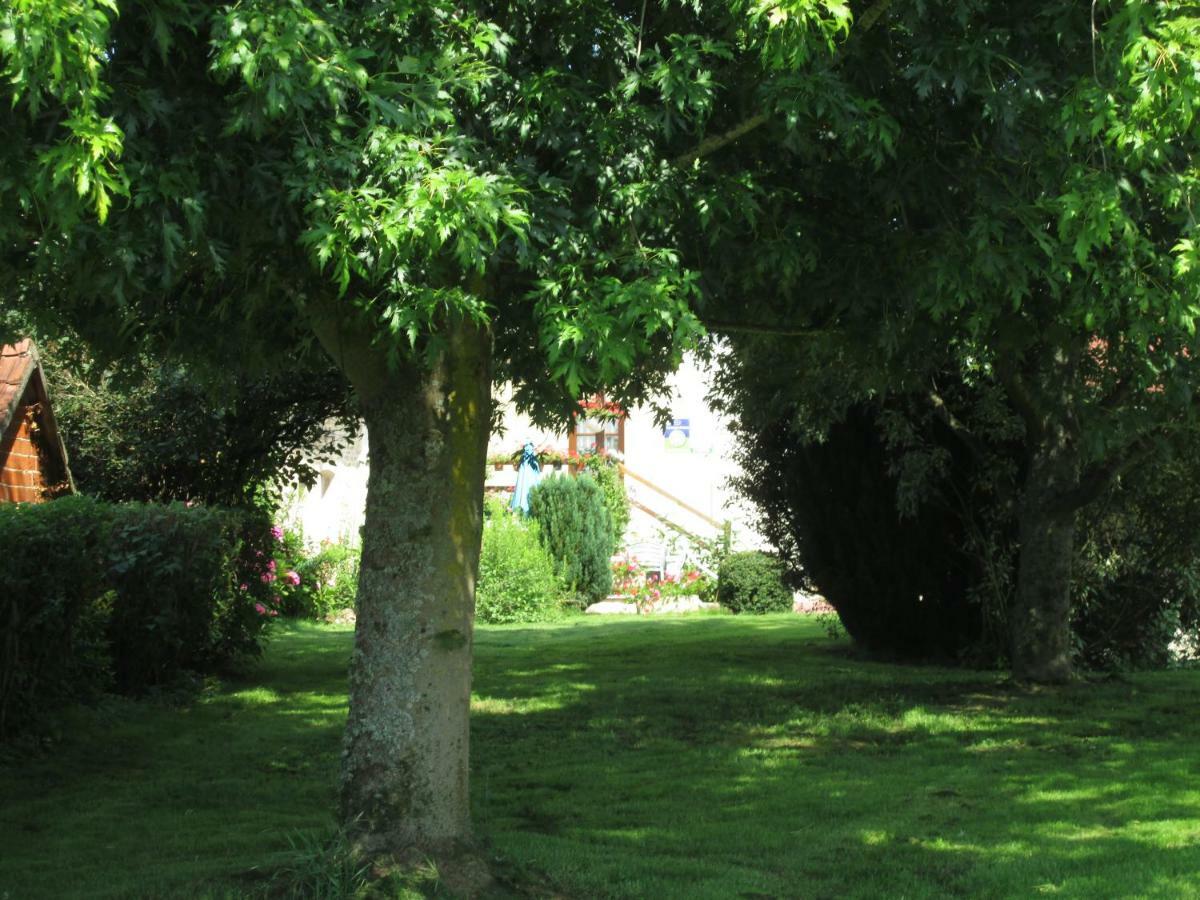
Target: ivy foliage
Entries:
(607, 473)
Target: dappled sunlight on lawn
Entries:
(708, 757)
(747, 738)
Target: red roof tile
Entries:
(17, 362)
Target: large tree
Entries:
(443, 194)
(1031, 235)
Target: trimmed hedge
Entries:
(752, 582)
(577, 530)
(97, 596)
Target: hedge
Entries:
(96, 597)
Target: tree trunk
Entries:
(404, 787)
(1041, 618)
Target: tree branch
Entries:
(717, 141)
(1098, 478)
(1022, 400)
(956, 425)
(727, 327)
(868, 19)
(712, 144)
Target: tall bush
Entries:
(517, 578)
(607, 473)
(157, 431)
(577, 531)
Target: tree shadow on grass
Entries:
(674, 758)
(775, 768)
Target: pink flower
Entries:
(267, 577)
(243, 586)
(271, 566)
(260, 609)
(292, 577)
(275, 599)
(277, 532)
(274, 612)
(258, 554)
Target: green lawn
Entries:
(691, 757)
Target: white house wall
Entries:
(697, 471)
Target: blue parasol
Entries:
(529, 473)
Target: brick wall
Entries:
(22, 479)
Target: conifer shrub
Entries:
(576, 529)
(752, 582)
(901, 584)
(517, 578)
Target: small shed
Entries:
(33, 460)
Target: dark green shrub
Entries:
(901, 584)
(1137, 571)
(607, 472)
(53, 607)
(577, 531)
(177, 607)
(752, 582)
(95, 596)
(517, 580)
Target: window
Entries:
(599, 428)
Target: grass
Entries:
(688, 757)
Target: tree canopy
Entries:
(1021, 260)
(183, 169)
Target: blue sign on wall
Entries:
(678, 434)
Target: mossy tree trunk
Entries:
(404, 785)
(1041, 617)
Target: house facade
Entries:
(678, 476)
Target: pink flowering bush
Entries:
(305, 583)
(648, 588)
